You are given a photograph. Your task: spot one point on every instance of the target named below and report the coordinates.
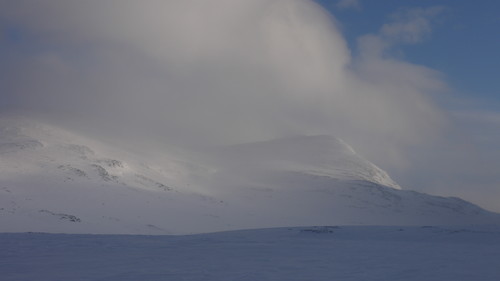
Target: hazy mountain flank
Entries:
(53, 180)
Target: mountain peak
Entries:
(322, 155)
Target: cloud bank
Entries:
(235, 71)
(197, 72)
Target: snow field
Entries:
(303, 253)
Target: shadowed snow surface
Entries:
(303, 253)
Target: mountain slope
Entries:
(315, 155)
(52, 180)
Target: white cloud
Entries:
(236, 71)
(349, 4)
(411, 25)
(408, 26)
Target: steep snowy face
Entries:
(320, 155)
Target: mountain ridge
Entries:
(53, 180)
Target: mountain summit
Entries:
(319, 155)
(54, 180)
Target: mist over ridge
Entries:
(198, 74)
(58, 181)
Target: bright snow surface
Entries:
(304, 253)
(52, 180)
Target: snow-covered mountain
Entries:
(53, 180)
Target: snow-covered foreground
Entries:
(303, 253)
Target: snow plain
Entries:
(302, 253)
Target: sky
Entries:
(411, 87)
(460, 42)
(470, 66)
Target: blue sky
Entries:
(464, 43)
